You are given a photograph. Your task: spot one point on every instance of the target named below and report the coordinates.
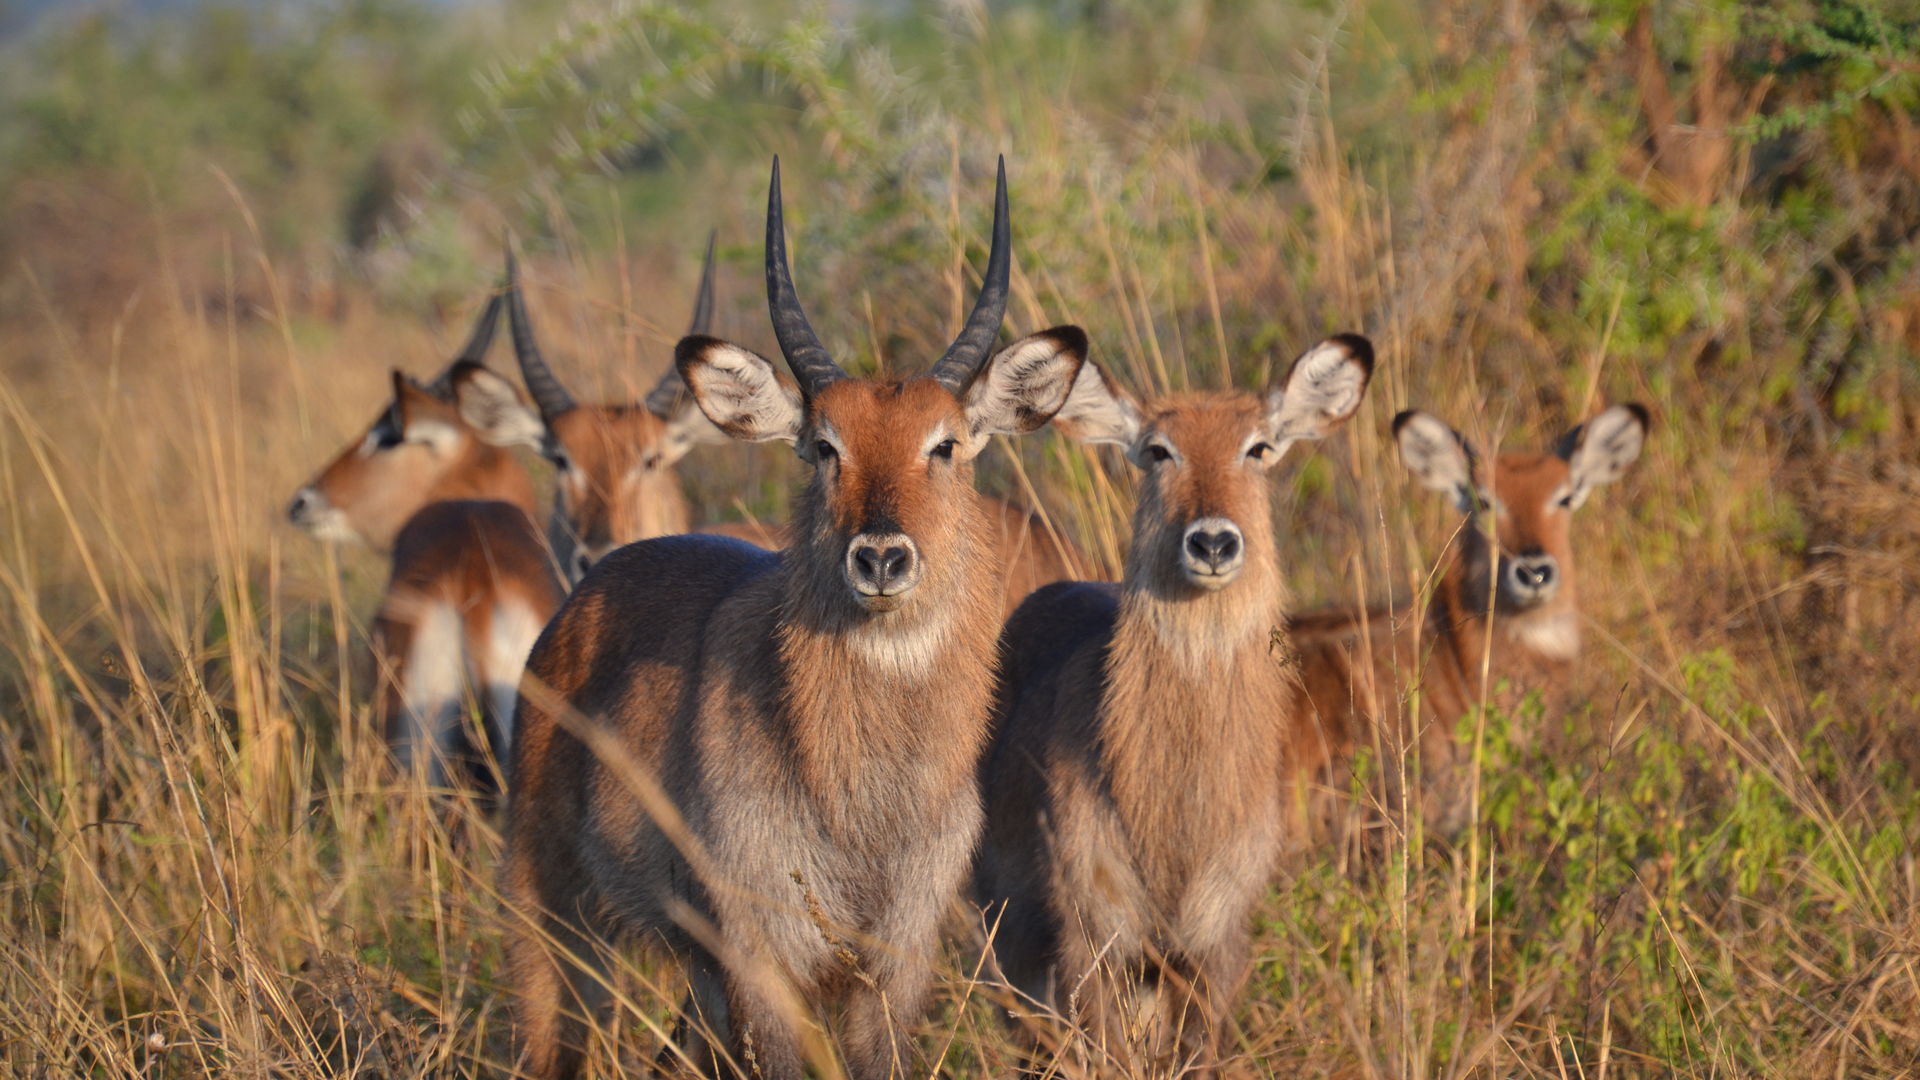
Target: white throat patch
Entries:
(1555, 636)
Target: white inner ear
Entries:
(1608, 446)
(738, 390)
(439, 436)
(493, 409)
(1097, 411)
(1024, 385)
(1323, 389)
(1434, 455)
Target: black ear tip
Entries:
(1070, 338)
(1402, 419)
(1641, 414)
(691, 346)
(1359, 348)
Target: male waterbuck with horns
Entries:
(617, 486)
(615, 462)
(1505, 609)
(1132, 817)
(761, 762)
(471, 582)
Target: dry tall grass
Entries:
(1705, 870)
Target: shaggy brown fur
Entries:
(1132, 817)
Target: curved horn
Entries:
(798, 343)
(479, 339)
(703, 300)
(969, 351)
(548, 394)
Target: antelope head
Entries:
(433, 441)
(1531, 498)
(889, 518)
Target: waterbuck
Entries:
(615, 462)
(1132, 816)
(472, 583)
(763, 763)
(1505, 607)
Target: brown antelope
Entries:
(471, 582)
(1505, 604)
(763, 763)
(615, 462)
(1132, 818)
(615, 465)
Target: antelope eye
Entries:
(823, 450)
(651, 461)
(1564, 502)
(560, 460)
(387, 439)
(944, 449)
(1157, 453)
(1259, 451)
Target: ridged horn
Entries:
(479, 340)
(549, 395)
(798, 343)
(703, 300)
(963, 359)
(667, 394)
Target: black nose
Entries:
(1534, 573)
(1216, 548)
(882, 567)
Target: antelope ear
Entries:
(1437, 456)
(1601, 450)
(423, 419)
(1099, 411)
(1322, 389)
(739, 391)
(494, 410)
(1024, 384)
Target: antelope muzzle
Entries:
(882, 568)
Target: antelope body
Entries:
(762, 762)
(1505, 604)
(471, 582)
(1132, 820)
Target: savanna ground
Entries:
(219, 228)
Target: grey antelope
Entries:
(1505, 602)
(471, 582)
(1132, 817)
(615, 465)
(615, 462)
(763, 763)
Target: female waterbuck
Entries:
(762, 762)
(1132, 817)
(617, 485)
(471, 582)
(1505, 609)
(615, 462)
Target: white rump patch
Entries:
(511, 632)
(431, 681)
